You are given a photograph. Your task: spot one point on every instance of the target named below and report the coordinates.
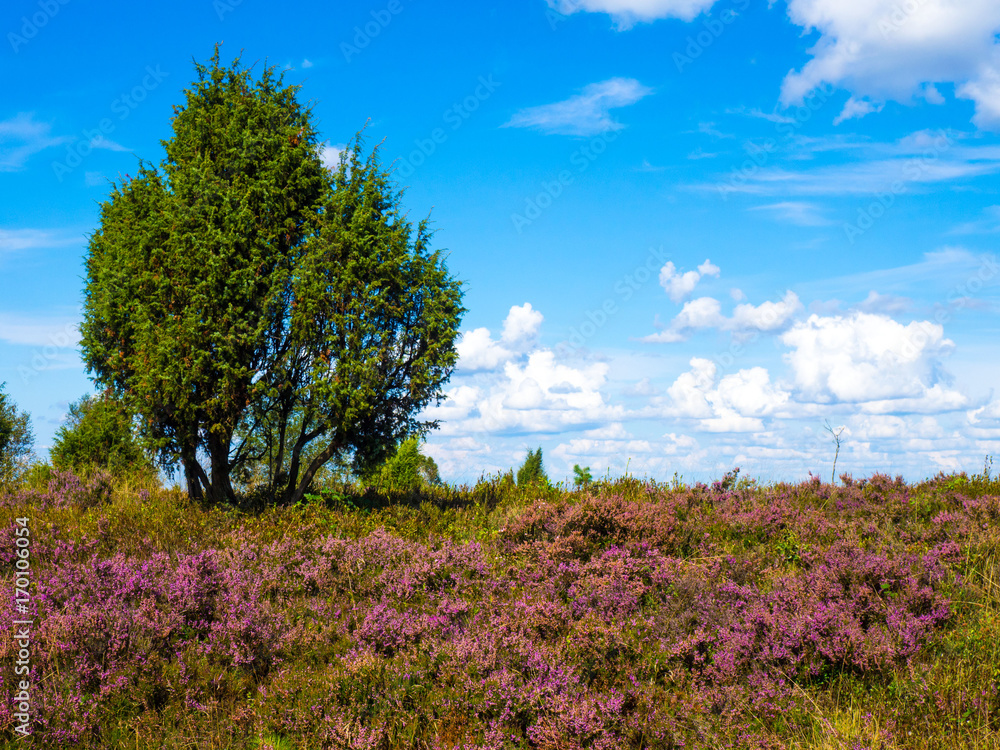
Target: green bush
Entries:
(408, 469)
(16, 440)
(98, 434)
(582, 477)
(532, 470)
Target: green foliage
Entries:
(98, 433)
(255, 309)
(408, 469)
(581, 477)
(16, 441)
(532, 471)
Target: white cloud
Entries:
(871, 360)
(587, 113)
(736, 404)
(886, 427)
(912, 164)
(627, 12)
(106, 144)
(307, 63)
(988, 224)
(680, 285)
(16, 240)
(540, 396)
(883, 303)
(38, 331)
(521, 325)
(330, 155)
(856, 109)
(988, 413)
(478, 351)
(706, 312)
(21, 137)
(800, 213)
(767, 316)
(884, 49)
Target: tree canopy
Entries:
(255, 308)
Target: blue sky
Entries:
(691, 232)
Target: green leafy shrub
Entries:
(98, 434)
(532, 470)
(16, 440)
(581, 477)
(408, 469)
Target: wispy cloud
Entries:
(17, 240)
(989, 223)
(800, 213)
(856, 109)
(21, 137)
(627, 12)
(587, 113)
(37, 331)
(911, 164)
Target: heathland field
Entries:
(626, 615)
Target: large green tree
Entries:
(254, 308)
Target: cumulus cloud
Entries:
(477, 350)
(706, 312)
(736, 403)
(767, 316)
(873, 360)
(680, 285)
(887, 427)
(518, 387)
(628, 12)
(587, 113)
(541, 395)
(521, 326)
(884, 49)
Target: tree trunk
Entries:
(221, 488)
(316, 464)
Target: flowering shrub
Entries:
(636, 616)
